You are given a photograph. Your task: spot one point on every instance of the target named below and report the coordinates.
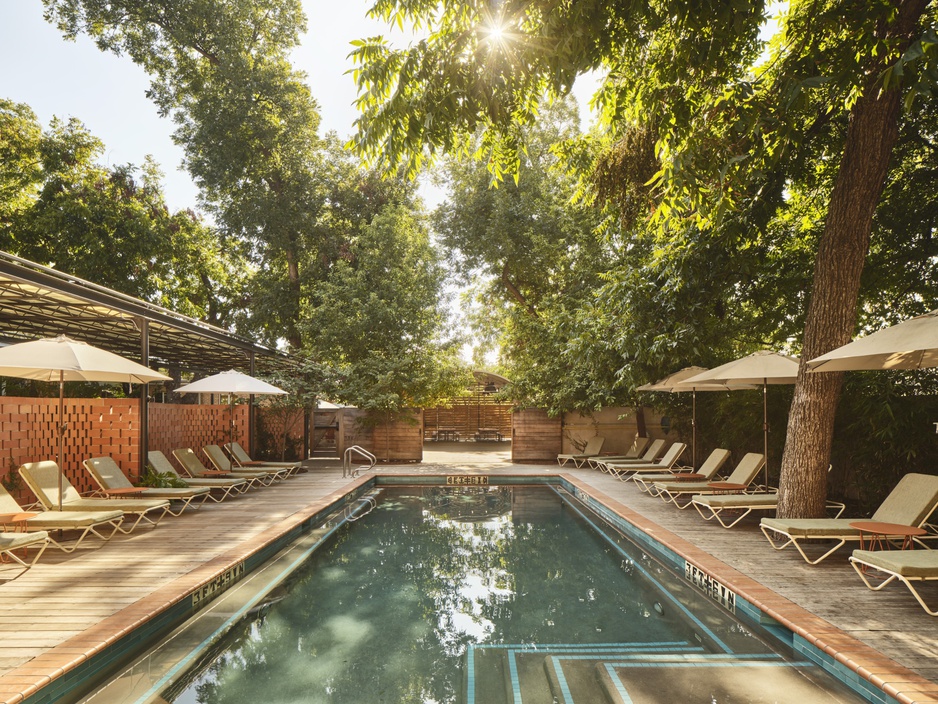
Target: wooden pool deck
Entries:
(70, 606)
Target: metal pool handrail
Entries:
(347, 470)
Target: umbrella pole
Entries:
(693, 425)
(61, 433)
(765, 429)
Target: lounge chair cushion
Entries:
(737, 500)
(131, 505)
(911, 502)
(52, 520)
(14, 541)
(908, 563)
(813, 527)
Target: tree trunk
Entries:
(832, 314)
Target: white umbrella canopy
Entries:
(677, 382)
(230, 382)
(63, 359)
(760, 368)
(912, 344)
(233, 383)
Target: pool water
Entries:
(491, 595)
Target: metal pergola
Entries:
(37, 301)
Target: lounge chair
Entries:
(651, 454)
(109, 477)
(708, 472)
(11, 542)
(593, 446)
(43, 479)
(907, 566)
(227, 486)
(102, 524)
(666, 463)
(910, 503)
(194, 468)
(682, 493)
(730, 509)
(220, 462)
(243, 459)
(638, 446)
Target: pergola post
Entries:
(251, 428)
(144, 397)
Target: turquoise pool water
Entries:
(491, 595)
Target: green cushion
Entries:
(908, 563)
(911, 502)
(13, 541)
(738, 500)
(814, 527)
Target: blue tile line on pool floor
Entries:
(617, 649)
(184, 662)
(723, 646)
(616, 679)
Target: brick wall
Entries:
(399, 441)
(173, 426)
(535, 436)
(95, 427)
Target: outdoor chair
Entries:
(193, 466)
(102, 524)
(592, 449)
(910, 503)
(682, 493)
(43, 479)
(666, 463)
(651, 454)
(730, 509)
(708, 471)
(243, 459)
(907, 566)
(11, 542)
(634, 452)
(109, 477)
(227, 487)
(220, 462)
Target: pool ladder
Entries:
(347, 470)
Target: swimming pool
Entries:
(476, 596)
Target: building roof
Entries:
(37, 301)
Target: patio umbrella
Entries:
(760, 368)
(912, 344)
(233, 383)
(62, 359)
(677, 383)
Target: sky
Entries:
(107, 93)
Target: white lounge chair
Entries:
(242, 459)
(108, 475)
(593, 447)
(910, 503)
(907, 566)
(708, 472)
(102, 524)
(681, 493)
(652, 453)
(194, 468)
(667, 463)
(221, 463)
(44, 479)
(11, 542)
(226, 486)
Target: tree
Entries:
(110, 225)
(728, 134)
(246, 120)
(377, 321)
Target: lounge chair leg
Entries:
(794, 541)
(22, 562)
(856, 564)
